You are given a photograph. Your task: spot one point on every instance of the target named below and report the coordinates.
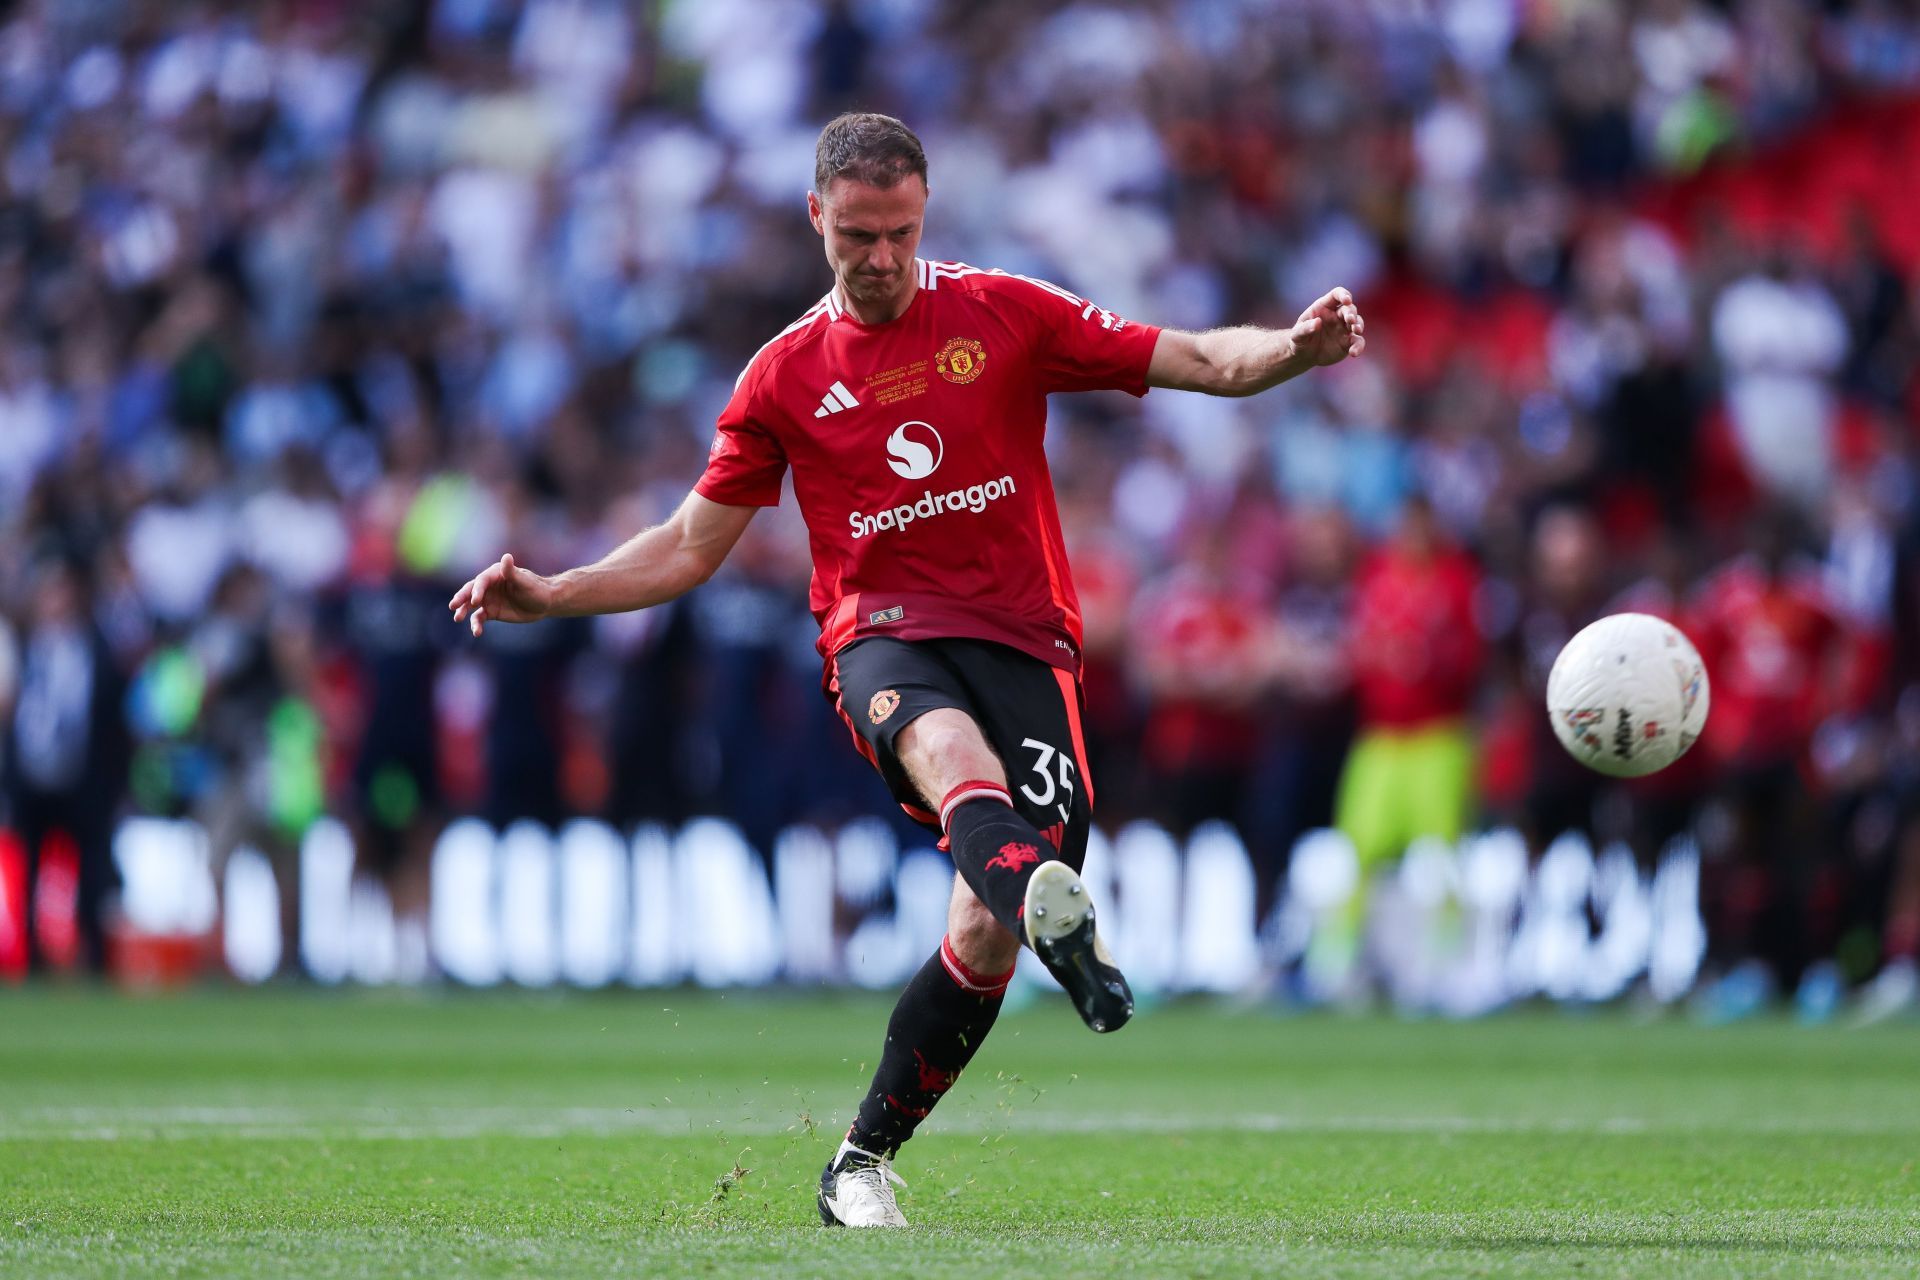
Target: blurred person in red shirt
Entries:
(1773, 643)
(1417, 654)
(1776, 650)
(1200, 653)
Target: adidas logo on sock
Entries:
(836, 399)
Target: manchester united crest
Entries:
(961, 360)
(883, 705)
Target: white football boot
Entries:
(856, 1190)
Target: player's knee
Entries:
(944, 747)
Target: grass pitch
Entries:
(306, 1133)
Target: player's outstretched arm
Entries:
(1247, 360)
(650, 568)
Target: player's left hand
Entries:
(1331, 330)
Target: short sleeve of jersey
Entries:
(1078, 346)
(746, 464)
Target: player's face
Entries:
(871, 235)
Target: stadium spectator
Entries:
(66, 767)
(1770, 633)
(1308, 713)
(1782, 338)
(1565, 589)
(1201, 654)
(1417, 653)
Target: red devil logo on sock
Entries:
(932, 1079)
(1013, 856)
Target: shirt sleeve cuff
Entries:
(737, 495)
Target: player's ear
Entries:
(816, 212)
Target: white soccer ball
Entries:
(1628, 695)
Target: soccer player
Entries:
(910, 404)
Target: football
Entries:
(1628, 695)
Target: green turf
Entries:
(301, 1133)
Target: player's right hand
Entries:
(502, 592)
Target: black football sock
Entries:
(994, 849)
(943, 1015)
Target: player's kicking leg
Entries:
(1041, 901)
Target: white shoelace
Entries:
(866, 1185)
(874, 1177)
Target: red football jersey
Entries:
(1772, 650)
(917, 455)
(1416, 647)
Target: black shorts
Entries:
(1029, 711)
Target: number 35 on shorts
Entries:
(1054, 769)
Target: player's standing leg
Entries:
(941, 1019)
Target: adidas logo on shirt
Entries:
(837, 399)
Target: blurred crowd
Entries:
(311, 308)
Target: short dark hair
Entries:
(867, 147)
